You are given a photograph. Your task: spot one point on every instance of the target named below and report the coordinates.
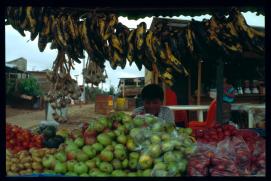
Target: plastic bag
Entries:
(236, 150)
(258, 158)
(200, 161)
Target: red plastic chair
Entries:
(171, 99)
(210, 120)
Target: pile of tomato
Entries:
(18, 139)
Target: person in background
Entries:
(153, 97)
(228, 98)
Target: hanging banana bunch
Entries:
(251, 38)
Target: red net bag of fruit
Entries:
(258, 163)
(236, 150)
(199, 161)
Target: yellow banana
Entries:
(149, 44)
(46, 26)
(84, 37)
(116, 43)
(140, 31)
(32, 22)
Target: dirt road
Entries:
(32, 118)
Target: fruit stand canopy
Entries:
(137, 13)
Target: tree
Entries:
(111, 90)
(29, 86)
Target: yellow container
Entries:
(121, 104)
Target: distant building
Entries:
(19, 63)
(42, 79)
(131, 87)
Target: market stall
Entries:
(119, 145)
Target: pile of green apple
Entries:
(119, 145)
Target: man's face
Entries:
(152, 106)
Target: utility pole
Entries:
(76, 76)
(84, 90)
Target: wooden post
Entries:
(123, 94)
(189, 90)
(219, 87)
(199, 83)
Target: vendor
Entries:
(228, 98)
(153, 96)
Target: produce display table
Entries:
(247, 107)
(198, 108)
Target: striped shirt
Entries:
(165, 113)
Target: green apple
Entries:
(119, 146)
(61, 156)
(103, 121)
(133, 164)
(91, 163)
(98, 126)
(106, 155)
(70, 165)
(172, 168)
(120, 154)
(71, 146)
(138, 122)
(165, 137)
(109, 148)
(116, 164)
(155, 150)
(98, 147)
(182, 164)
(81, 156)
(104, 139)
(134, 132)
(169, 157)
(60, 167)
(106, 167)
(155, 139)
(80, 168)
(122, 139)
(160, 173)
(146, 173)
(118, 173)
(97, 161)
(130, 144)
(79, 142)
(125, 163)
(157, 127)
(48, 161)
(145, 161)
(160, 166)
(167, 146)
(134, 155)
(89, 150)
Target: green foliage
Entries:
(91, 93)
(29, 87)
(111, 90)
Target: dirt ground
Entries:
(31, 118)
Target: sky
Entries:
(17, 46)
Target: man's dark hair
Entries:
(151, 92)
